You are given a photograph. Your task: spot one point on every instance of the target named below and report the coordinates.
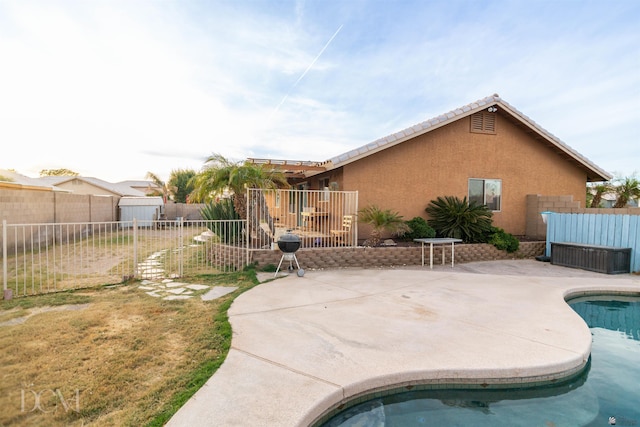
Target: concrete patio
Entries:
(303, 345)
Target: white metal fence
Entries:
(41, 258)
(321, 218)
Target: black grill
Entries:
(289, 243)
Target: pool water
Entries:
(608, 387)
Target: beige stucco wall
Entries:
(408, 176)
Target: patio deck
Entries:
(304, 345)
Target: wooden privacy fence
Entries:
(622, 231)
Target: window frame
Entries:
(485, 181)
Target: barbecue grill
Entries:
(289, 243)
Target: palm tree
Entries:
(382, 220)
(221, 175)
(626, 190)
(597, 191)
(166, 190)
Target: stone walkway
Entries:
(158, 286)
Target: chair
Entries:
(307, 214)
(340, 236)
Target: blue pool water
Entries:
(608, 387)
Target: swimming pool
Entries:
(608, 387)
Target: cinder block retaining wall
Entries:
(317, 258)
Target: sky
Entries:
(115, 89)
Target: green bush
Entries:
(419, 229)
(223, 210)
(459, 219)
(503, 240)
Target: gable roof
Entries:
(10, 178)
(594, 173)
(119, 189)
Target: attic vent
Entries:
(483, 122)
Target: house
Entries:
(147, 187)
(91, 186)
(487, 151)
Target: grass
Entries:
(110, 356)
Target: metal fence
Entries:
(41, 258)
(51, 257)
(321, 218)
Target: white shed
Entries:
(144, 209)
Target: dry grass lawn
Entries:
(110, 356)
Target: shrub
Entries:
(381, 220)
(459, 219)
(419, 229)
(220, 211)
(503, 240)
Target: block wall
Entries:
(536, 203)
(318, 258)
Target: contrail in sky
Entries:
(306, 71)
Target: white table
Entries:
(437, 241)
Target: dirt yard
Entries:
(110, 356)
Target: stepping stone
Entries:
(176, 297)
(197, 287)
(153, 294)
(147, 282)
(167, 281)
(176, 291)
(217, 292)
(147, 288)
(174, 284)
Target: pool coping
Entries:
(289, 365)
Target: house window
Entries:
(483, 122)
(486, 192)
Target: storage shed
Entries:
(144, 209)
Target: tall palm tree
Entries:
(627, 189)
(166, 190)
(221, 175)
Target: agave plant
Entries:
(221, 212)
(381, 220)
(456, 218)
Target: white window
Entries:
(486, 192)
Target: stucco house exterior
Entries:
(487, 151)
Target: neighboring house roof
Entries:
(594, 173)
(118, 188)
(15, 179)
(143, 185)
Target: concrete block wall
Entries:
(318, 258)
(72, 208)
(537, 229)
(20, 206)
(190, 211)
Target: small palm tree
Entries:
(626, 190)
(381, 220)
(459, 219)
(166, 190)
